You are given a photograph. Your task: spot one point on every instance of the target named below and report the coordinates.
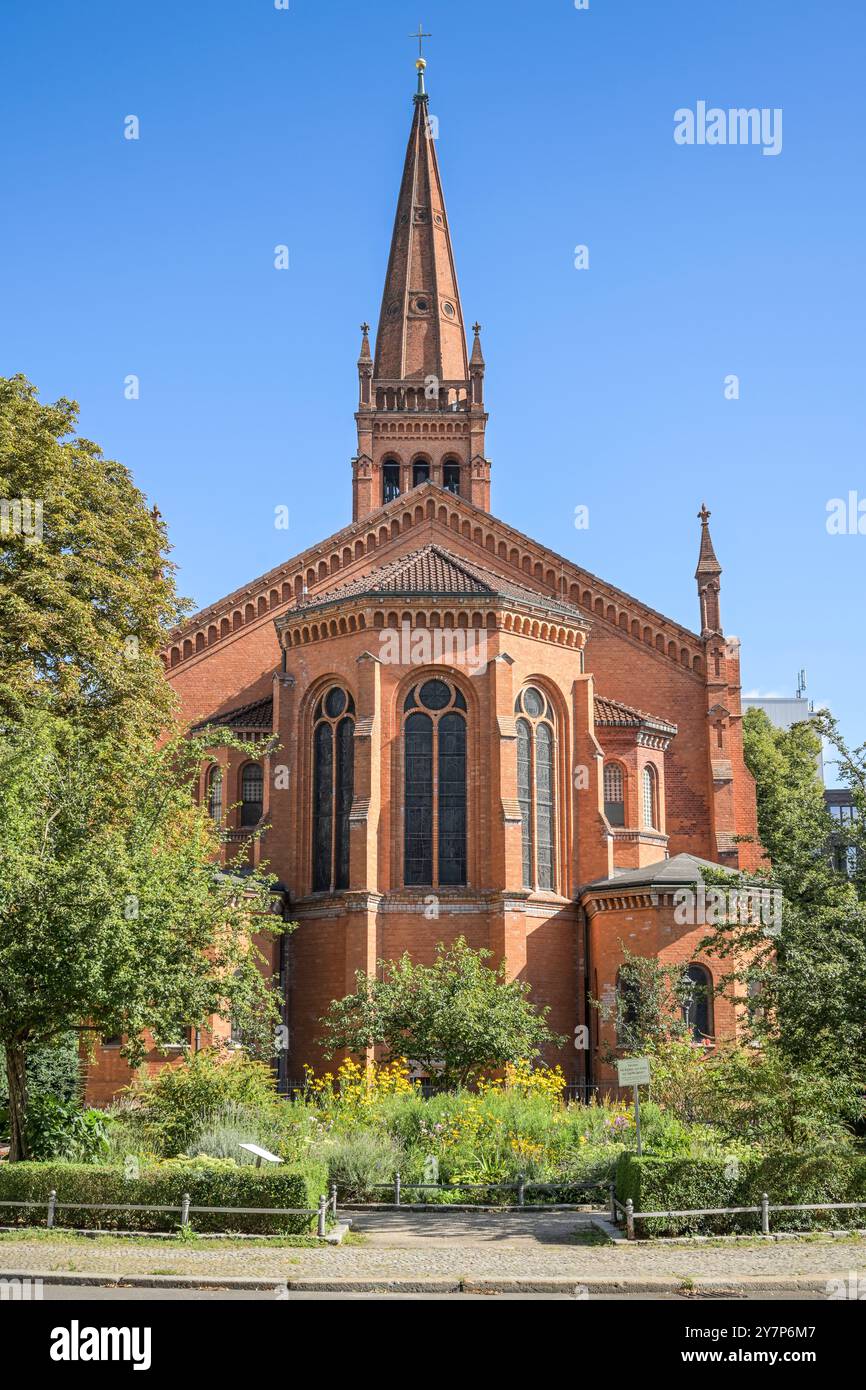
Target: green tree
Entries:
(114, 917)
(457, 1018)
(86, 596)
(807, 978)
(648, 1006)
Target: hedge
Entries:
(217, 1183)
(680, 1184)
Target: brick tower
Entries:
(420, 411)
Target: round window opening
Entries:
(435, 694)
(533, 702)
(422, 305)
(448, 309)
(335, 702)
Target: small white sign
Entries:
(633, 1071)
(260, 1153)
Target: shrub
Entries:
(210, 1182)
(61, 1129)
(359, 1161)
(175, 1105)
(224, 1133)
(681, 1184)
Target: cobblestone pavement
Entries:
(464, 1251)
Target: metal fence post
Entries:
(521, 1189)
(321, 1226)
(334, 1200)
(629, 1218)
(52, 1204)
(184, 1209)
(396, 1189)
(612, 1194)
(765, 1214)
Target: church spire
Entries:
(707, 574)
(421, 416)
(421, 333)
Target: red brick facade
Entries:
(364, 611)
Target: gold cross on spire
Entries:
(420, 36)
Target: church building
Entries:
(458, 732)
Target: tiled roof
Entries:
(259, 715)
(612, 712)
(682, 870)
(434, 572)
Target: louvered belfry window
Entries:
(536, 788)
(333, 788)
(434, 762)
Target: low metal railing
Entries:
(185, 1210)
(630, 1216)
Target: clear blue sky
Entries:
(605, 387)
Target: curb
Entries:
(573, 1284)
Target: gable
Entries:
(429, 515)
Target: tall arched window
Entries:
(390, 480)
(649, 783)
(698, 1008)
(536, 788)
(252, 794)
(215, 793)
(420, 472)
(333, 784)
(434, 748)
(614, 794)
(451, 477)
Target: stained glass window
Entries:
(215, 794)
(333, 789)
(252, 794)
(536, 788)
(614, 798)
(434, 743)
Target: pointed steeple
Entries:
(707, 575)
(421, 417)
(421, 332)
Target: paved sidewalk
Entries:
(530, 1248)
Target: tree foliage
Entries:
(456, 1018)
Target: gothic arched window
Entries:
(614, 794)
(698, 1008)
(252, 794)
(333, 784)
(536, 782)
(390, 480)
(434, 744)
(215, 794)
(650, 798)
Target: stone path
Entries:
(526, 1247)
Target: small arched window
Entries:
(252, 794)
(451, 477)
(434, 757)
(215, 794)
(614, 795)
(420, 473)
(650, 798)
(390, 480)
(628, 1002)
(333, 787)
(698, 1008)
(536, 779)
